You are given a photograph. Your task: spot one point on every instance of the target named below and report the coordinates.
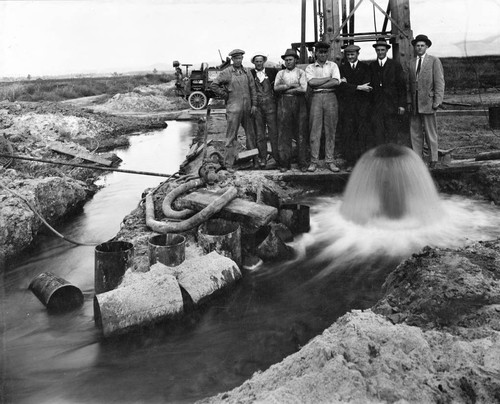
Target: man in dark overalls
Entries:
(265, 115)
(236, 85)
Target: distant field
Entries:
(478, 72)
(65, 89)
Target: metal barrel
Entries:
(56, 293)
(222, 236)
(169, 249)
(111, 261)
(494, 117)
(295, 217)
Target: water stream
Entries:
(271, 313)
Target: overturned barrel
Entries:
(169, 249)
(223, 236)
(111, 261)
(56, 293)
(295, 217)
(153, 297)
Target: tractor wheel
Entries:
(197, 100)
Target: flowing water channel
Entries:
(271, 313)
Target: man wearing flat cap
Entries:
(265, 115)
(425, 94)
(291, 86)
(354, 103)
(236, 85)
(323, 76)
(388, 96)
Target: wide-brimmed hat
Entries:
(259, 54)
(351, 48)
(421, 38)
(290, 52)
(381, 42)
(236, 52)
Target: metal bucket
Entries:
(222, 236)
(111, 261)
(295, 217)
(494, 117)
(56, 293)
(169, 249)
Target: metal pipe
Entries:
(63, 163)
(315, 11)
(303, 58)
(351, 20)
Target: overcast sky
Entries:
(46, 37)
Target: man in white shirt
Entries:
(290, 85)
(323, 76)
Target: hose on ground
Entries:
(43, 219)
(172, 195)
(193, 221)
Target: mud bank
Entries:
(55, 192)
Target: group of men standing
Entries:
(363, 100)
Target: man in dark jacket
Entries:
(354, 100)
(265, 115)
(389, 95)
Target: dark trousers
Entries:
(355, 129)
(265, 116)
(292, 124)
(385, 128)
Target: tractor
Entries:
(197, 84)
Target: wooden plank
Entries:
(246, 212)
(60, 148)
(247, 154)
(462, 112)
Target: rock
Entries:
(273, 248)
(282, 231)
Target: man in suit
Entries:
(265, 115)
(389, 95)
(354, 102)
(425, 94)
(236, 85)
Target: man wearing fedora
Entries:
(354, 102)
(388, 96)
(236, 85)
(265, 115)
(291, 85)
(323, 76)
(425, 95)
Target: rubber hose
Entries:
(193, 221)
(172, 195)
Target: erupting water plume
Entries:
(391, 181)
(389, 210)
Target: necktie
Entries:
(353, 66)
(419, 65)
(381, 64)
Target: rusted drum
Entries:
(295, 217)
(222, 236)
(169, 249)
(56, 293)
(494, 116)
(111, 261)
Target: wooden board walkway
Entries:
(247, 212)
(81, 154)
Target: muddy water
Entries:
(271, 313)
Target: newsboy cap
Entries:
(351, 48)
(421, 38)
(236, 52)
(381, 42)
(321, 45)
(259, 54)
(290, 52)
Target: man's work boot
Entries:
(312, 167)
(333, 167)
